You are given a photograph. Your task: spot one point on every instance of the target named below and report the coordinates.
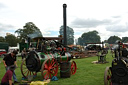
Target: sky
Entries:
(108, 17)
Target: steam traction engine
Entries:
(46, 58)
(118, 73)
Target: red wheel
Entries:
(49, 68)
(107, 76)
(24, 70)
(73, 68)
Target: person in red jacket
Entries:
(7, 78)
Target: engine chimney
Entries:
(64, 24)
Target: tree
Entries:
(113, 39)
(89, 37)
(12, 40)
(125, 39)
(80, 41)
(105, 41)
(70, 34)
(29, 30)
(2, 39)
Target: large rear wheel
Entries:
(24, 70)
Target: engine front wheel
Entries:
(49, 68)
(73, 67)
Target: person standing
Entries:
(10, 59)
(7, 78)
(23, 53)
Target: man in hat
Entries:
(8, 60)
(7, 78)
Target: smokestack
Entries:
(64, 24)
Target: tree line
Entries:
(93, 37)
(30, 30)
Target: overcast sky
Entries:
(108, 17)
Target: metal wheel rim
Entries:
(49, 68)
(107, 76)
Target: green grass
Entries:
(87, 72)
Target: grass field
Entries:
(87, 72)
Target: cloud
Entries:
(2, 6)
(117, 28)
(88, 23)
(116, 16)
(6, 27)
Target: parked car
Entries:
(2, 52)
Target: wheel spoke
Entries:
(50, 74)
(48, 62)
(54, 66)
(54, 70)
(25, 72)
(28, 73)
(53, 63)
(46, 75)
(46, 67)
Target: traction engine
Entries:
(46, 58)
(118, 73)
